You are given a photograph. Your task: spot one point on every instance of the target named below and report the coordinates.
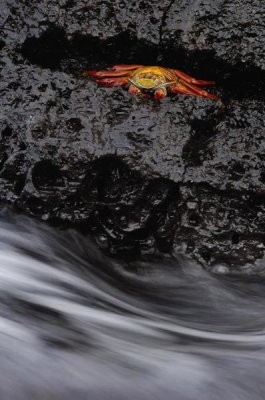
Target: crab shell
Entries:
(151, 81)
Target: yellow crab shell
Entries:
(151, 78)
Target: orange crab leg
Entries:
(116, 70)
(106, 74)
(179, 88)
(200, 92)
(190, 79)
(126, 67)
(193, 91)
(112, 81)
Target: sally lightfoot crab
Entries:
(155, 82)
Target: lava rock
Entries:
(233, 31)
(184, 174)
(97, 18)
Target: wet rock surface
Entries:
(183, 174)
(232, 30)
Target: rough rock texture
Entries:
(183, 173)
(232, 30)
(97, 18)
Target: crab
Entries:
(153, 81)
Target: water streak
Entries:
(77, 325)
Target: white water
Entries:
(75, 325)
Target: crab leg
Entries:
(200, 92)
(193, 90)
(125, 67)
(190, 79)
(112, 81)
(179, 88)
(106, 74)
(116, 70)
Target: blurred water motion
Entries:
(76, 325)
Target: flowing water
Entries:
(76, 325)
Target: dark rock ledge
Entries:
(182, 174)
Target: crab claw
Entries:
(160, 93)
(134, 90)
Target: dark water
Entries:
(75, 325)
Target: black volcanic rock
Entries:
(232, 30)
(184, 173)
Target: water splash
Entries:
(74, 324)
